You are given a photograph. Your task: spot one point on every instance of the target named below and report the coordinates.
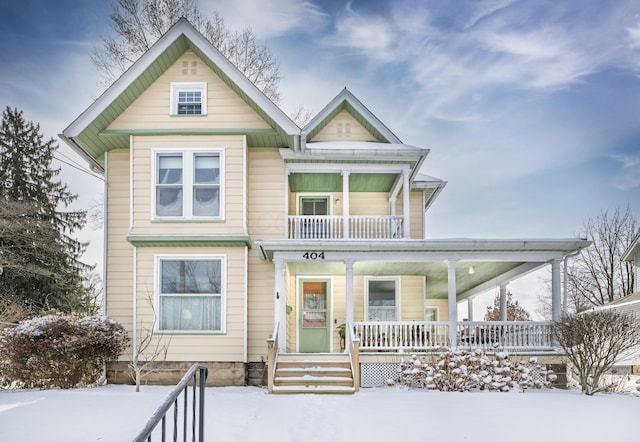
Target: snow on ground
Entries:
(237, 414)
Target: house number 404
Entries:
(313, 255)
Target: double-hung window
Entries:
(188, 99)
(188, 185)
(191, 294)
(382, 303)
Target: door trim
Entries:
(329, 280)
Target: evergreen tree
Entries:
(515, 312)
(39, 259)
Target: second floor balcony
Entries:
(345, 227)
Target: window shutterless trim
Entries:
(188, 176)
(177, 87)
(222, 295)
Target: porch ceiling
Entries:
(482, 275)
(332, 182)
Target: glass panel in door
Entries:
(314, 317)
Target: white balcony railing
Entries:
(414, 335)
(332, 227)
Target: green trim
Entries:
(181, 131)
(188, 240)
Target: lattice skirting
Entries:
(376, 374)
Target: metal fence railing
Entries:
(187, 407)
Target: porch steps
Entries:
(302, 373)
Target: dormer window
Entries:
(188, 99)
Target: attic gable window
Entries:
(188, 99)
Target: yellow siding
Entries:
(232, 185)
(417, 214)
(412, 298)
(119, 253)
(265, 189)
(225, 109)
(197, 347)
(343, 127)
(265, 219)
(369, 203)
(260, 305)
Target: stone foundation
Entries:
(221, 374)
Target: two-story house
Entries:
(237, 238)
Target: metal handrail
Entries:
(198, 374)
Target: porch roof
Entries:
(481, 264)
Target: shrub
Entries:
(60, 350)
(461, 370)
(594, 340)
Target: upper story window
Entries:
(188, 98)
(187, 184)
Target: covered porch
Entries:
(402, 297)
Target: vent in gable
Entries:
(344, 130)
(189, 67)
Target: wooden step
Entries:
(316, 374)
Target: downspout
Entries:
(245, 337)
(134, 321)
(105, 226)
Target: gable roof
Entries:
(345, 100)
(87, 134)
(633, 250)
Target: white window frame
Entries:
(222, 294)
(188, 171)
(176, 88)
(436, 311)
(396, 279)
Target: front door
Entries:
(314, 319)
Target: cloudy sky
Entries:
(530, 108)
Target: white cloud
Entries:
(629, 177)
(268, 18)
(373, 35)
(633, 33)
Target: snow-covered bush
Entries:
(60, 350)
(462, 370)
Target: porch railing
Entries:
(272, 357)
(409, 335)
(416, 335)
(187, 417)
(510, 335)
(332, 227)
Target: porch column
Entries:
(452, 302)
(503, 302)
(348, 263)
(392, 206)
(345, 204)
(280, 313)
(556, 300)
(288, 229)
(405, 203)
(470, 309)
